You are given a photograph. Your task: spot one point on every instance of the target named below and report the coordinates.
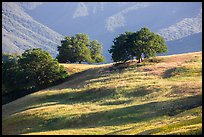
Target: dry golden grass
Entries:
(75, 68)
(105, 99)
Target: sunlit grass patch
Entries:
(170, 129)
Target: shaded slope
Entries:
(187, 44)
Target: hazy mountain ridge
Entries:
(21, 30)
(81, 10)
(115, 17)
(29, 5)
(183, 28)
(100, 20)
(179, 46)
(118, 19)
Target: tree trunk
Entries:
(139, 60)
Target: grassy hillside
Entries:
(160, 96)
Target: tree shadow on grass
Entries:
(90, 95)
(121, 67)
(141, 91)
(97, 94)
(120, 116)
(79, 79)
(168, 73)
(116, 102)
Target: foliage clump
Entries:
(79, 48)
(34, 69)
(142, 43)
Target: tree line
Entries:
(36, 69)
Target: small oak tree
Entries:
(96, 50)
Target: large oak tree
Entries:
(130, 45)
(79, 48)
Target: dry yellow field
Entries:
(162, 95)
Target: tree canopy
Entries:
(40, 67)
(96, 50)
(9, 56)
(34, 69)
(79, 48)
(130, 45)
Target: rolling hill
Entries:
(162, 95)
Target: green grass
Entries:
(131, 98)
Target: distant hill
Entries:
(160, 96)
(192, 43)
(104, 21)
(20, 31)
(100, 20)
(95, 17)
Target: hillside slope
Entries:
(20, 31)
(160, 96)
